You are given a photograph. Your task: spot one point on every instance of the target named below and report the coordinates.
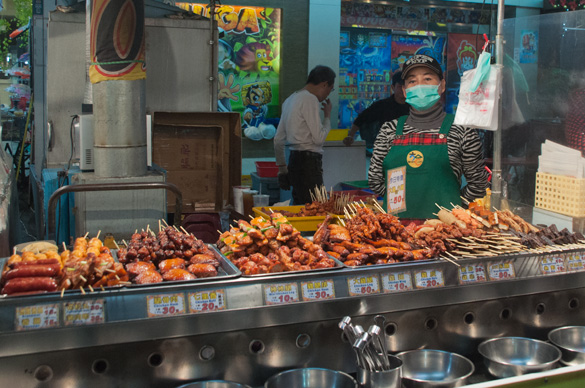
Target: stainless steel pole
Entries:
(497, 157)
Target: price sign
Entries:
(502, 271)
(206, 301)
(86, 312)
(472, 273)
(396, 282)
(363, 285)
(575, 262)
(429, 279)
(37, 317)
(282, 293)
(318, 290)
(552, 265)
(395, 190)
(165, 305)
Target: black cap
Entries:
(422, 60)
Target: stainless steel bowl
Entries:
(515, 356)
(214, 384)
(434, 368)
(311, 378)
(571, 341)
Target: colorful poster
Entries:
(529, 46)
(249, 64)
(364, 71)
(462, 53)
(405, 46)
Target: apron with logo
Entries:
(428, 177)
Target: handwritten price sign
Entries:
(552, 265)
(206, 301)
(165, 305)
(282, 293)
(395, 190)
(502, 271)
(363, 285)
(472, 273)
(397, 282)
(429, 279)
(87, 312)
(37, 317)
(575, 262)
(318, 290)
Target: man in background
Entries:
(301, 128)
(368, 123)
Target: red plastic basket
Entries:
(267, 169)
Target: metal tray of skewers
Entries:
(273, 247)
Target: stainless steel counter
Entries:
(264, 326)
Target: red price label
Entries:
(502, 271)
(86, 312)
(552, 265)
(165, 305)
(282, 293)
(472, 273)
(318, 290)
(429, 279)
(363, 285)
(396, 282)
(206, 301)
(37, 317)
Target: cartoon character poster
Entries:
(529, 46)
(364, 71)
(248, 64)
(405, 46)
(462, 53)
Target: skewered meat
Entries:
(149, 276)
(169, 264)
(178, 274)
(202, 270)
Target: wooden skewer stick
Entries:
(64, 247)
(164, 222)
(465, 201)
(184, 231)
(62, 292)
(102, 287)
(82, 290)
(82, 278)
(159, 226)
(86, 234)
(90, 287)
(98, 233)
(341, 220)
(451, 261)
(116, 244)
(125, 243)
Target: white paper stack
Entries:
(560, 160)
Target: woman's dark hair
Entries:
(321, 74)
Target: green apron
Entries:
(429, 177)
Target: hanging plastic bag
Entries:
(479, 108)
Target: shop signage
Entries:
(86, 312)
(318, 290)
(37, 317)
(575, 262)
(472, 273)
(206, 301)
(363, 285)
(395, 190)
(376, 22)
(552, 265)
(396, 282)
(429, 279)
(501, 271)
(281, 293)
(165, 305)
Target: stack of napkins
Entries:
(560, 160)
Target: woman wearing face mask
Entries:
(424, 154)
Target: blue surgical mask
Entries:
(422, 97)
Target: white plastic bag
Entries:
(479, 109)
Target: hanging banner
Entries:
(462, 53)
(364, 71)
(249, 64)
(117, 41)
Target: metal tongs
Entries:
(368, 346)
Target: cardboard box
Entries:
(202, 154)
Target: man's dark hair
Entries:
(321, 74)
(397, 78)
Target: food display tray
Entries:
(338, 265)
(302, 224)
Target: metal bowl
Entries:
(515, 356)
(571, 341)
(214, 384)
(434, 368)
(311, 378)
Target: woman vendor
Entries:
(419, 160)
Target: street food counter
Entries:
(248, 328)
